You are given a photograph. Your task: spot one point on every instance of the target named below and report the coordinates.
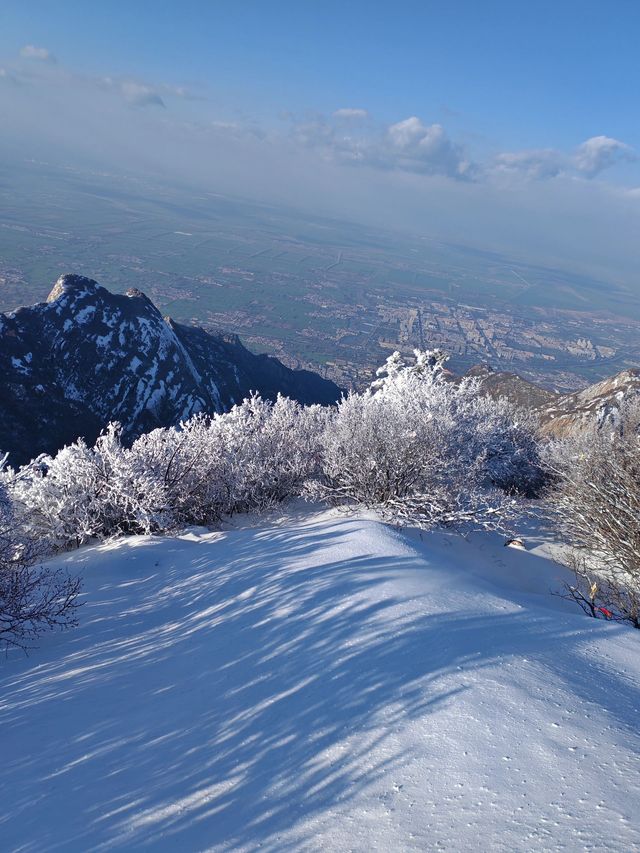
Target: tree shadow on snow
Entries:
(222, 696)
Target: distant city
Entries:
(329, 296)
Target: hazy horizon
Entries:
(508, 129)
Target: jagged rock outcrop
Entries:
(562, 415)
(598, 403)
(86, 356)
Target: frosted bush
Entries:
(416, 445)
(595, 503)
(250, 458)
(426, 450)
(32, 598)
(83, 493)
(254, 456)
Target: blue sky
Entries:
(524, 73)
(394, 103)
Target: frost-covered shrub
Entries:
(83, 493)
(32, 598)
(426, 450)
(510, 445)
(55, 499)
(257, 454)
(595, 503)
(130, 497)
(271, 448)
(189, 465)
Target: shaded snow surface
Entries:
(321, 683)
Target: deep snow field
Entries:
(321, 682)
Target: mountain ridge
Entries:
(560, 414)
(87, 356)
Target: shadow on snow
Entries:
(210, 699)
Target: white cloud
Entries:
(30, 51)
(50, 73)
(351, 114)
(588, 160)
(140, 95)
(417, 147)
(537, 164)
(599, 153)
(332, 142)
(407, 146)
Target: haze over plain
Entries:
(332, 184)
(504, 126)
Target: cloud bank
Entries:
(411, 172)
(599, 153)
(588, 159)
(407, 146)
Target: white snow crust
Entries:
(317, 682)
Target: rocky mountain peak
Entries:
(597, 404)
(69, 284)
(134, 293)
(88, 356)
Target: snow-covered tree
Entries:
(83, 493)
(250, 458)
(595, 503)
(55, 498)
(426, 450)
(508, 438)
(272, 447)
(32, 598)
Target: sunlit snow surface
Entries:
(321, 683)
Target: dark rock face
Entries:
(86, 356)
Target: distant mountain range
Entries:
(562, 414)
(86, 356)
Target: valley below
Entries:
(328, 296)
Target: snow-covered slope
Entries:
(321, 683)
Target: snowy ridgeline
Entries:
(316, 682)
